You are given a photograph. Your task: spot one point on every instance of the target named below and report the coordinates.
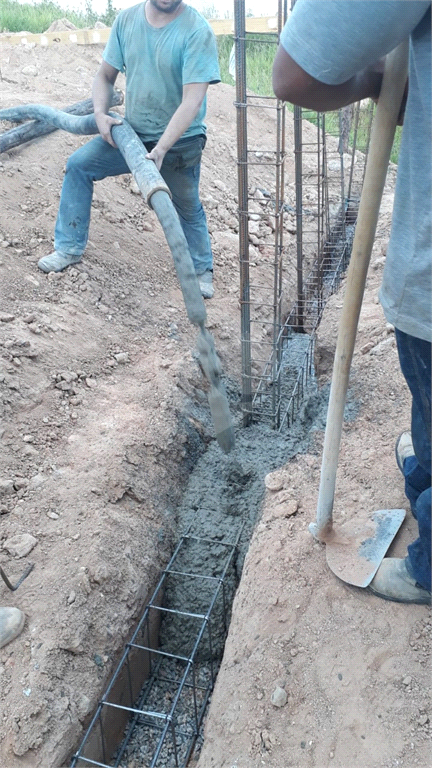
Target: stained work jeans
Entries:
(415, 362)
(97, 159)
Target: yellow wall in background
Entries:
(97, 36)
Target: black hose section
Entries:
(134, 152)
(81, 125)
(33, 129)
(157, 194)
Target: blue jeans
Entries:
(97, 159)
(415, 362)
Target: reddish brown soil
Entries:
(95, 454)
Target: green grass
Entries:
(17, 17)
(363, 131)
(259, 63)
(394, 156)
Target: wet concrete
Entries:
(221, 505)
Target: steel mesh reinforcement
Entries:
(157, 697)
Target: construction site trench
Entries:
(109, 457)
(216, 515)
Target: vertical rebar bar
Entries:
(354, 147)
(278, 245)
(370, 111)
(298, 160)
(342, 168)
(242, 158)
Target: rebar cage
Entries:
(314, 164)
(156, 700)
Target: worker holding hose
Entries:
(169, 55)
(330, 55)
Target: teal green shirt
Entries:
(158, 63)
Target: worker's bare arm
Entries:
(291, 83)
(103, 85)
(193, 97)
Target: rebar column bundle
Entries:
(245, 102)
(242, 160)
(325, 182)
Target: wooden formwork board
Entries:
(97, 36)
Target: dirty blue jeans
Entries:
(415, 362)
(97, 159)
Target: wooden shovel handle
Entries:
(381, 142)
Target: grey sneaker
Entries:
(12, 621)
(403, 449)
(57, 261)
(393, 582)
(206, 284)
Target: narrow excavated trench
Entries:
(157, 699)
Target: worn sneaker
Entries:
(11, 624)
(206, 284)
(403, 449)
(57, 261)
(393, 582)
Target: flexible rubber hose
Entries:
(34, 129)
(157, 195)
(83, 125)
(152, 186)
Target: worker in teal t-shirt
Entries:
(329, 56)
(168, 53)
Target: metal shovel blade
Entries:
(355, 550)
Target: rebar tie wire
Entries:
(13, 587)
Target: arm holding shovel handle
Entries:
(354, 551)
(394, 81)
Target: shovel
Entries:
(355, 550)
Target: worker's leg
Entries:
(416, 481)
(181, 171)
(408, 580)
(92, 162)
(415, 361)
(419, 553)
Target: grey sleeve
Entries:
(333, 39)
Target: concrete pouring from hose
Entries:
(158, 197)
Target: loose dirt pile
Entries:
(104, 417)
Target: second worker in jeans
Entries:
(169, 54)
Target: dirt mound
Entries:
(61, 25)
